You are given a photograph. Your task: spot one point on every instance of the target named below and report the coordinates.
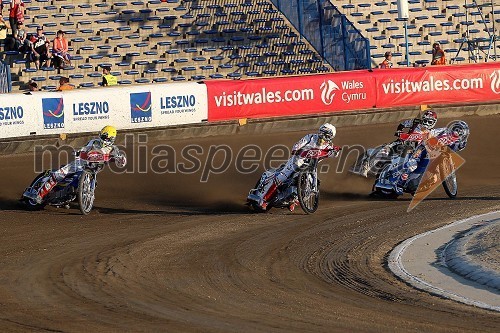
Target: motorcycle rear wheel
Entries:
(85, 194)
(309, 201)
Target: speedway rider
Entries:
(104, 143)
(321, 140)
(430, 150)
(425, 123)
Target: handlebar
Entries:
(316, 153)
(418, 137)
(94, 156)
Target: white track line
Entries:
(395, 264)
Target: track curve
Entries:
(168, 253)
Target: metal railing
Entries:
(329, 31)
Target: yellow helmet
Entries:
(108, 135)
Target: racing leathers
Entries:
(296, 162)
(428, 156)
(78, 164)
(395, 147)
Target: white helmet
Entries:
(459, 129)
(327, 132)
(429, 119)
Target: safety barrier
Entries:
(354, 90)
(160, 105)
(44, 113)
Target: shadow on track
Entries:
(343, 196)
(182, 210)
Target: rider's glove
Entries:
(335, 151)
(397, 133)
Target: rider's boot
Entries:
(46, 187)
(271, 191)
(294, 204)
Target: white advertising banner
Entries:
(18, 115)
(88, 110)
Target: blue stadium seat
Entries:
(87, 85)
(170, 70)
(234, 75)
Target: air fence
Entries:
(178, 103)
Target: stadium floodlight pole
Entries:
(403, 14)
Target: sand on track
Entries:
(164, 252)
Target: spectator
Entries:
(40, 48)
(3, 28)
(107, 78)
(438, 57)
(32, 86)
(64, 84)
(60, 51)
(22, 43)
(387, 63)
(16, 15)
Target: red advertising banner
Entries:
(287, 96)
(355, 90)
(438, 84)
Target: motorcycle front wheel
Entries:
(308, 197)
(85, 195)
(450, 184)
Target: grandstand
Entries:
(161, 41)
(151, 41)
(452, 23)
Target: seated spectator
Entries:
(60, 51)
(23, 44)
(40, 48)
(107, 78)
(438, 57)
(387, 63)
(64, 84)
(3, 28)
(32, 87)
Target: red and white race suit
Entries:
(108, 152)
(295, 162)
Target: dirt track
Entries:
(168, 253)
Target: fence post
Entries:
(367, 51)
(321, 38)
(299, 16)
(344, 41)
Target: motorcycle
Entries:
(78, 186)
(302, 185)
(394, 179)
(374, 160)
